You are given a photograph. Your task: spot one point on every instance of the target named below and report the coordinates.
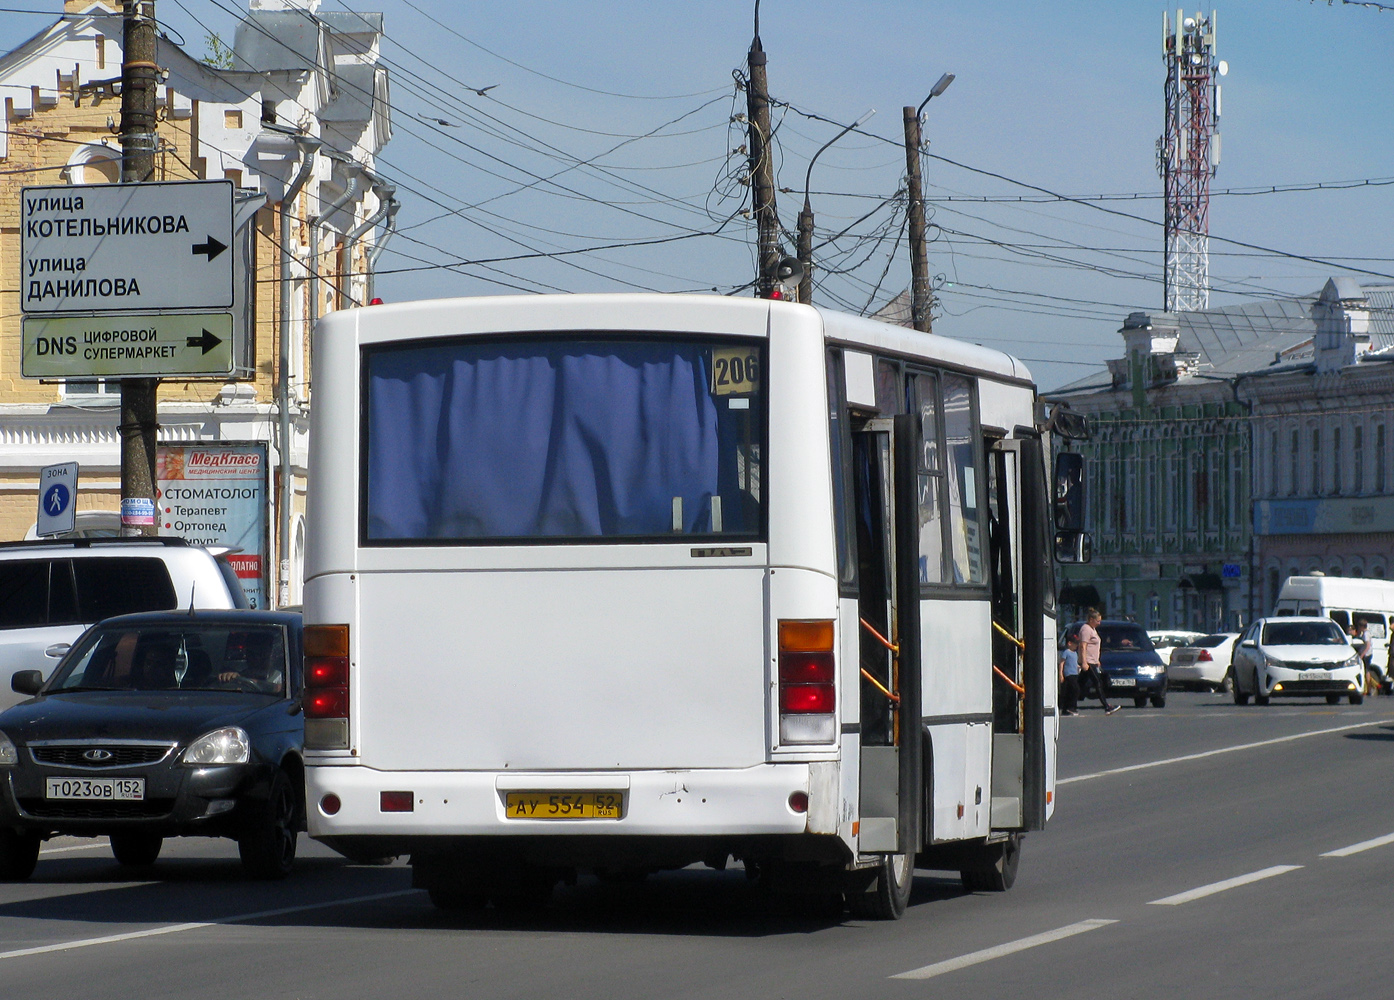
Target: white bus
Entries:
(624, 583)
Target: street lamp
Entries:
(806, 216)
(920, 298)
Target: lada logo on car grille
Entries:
(97, 755)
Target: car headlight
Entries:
(8, 754)
(1273, 661)
(1148, 671)
(221, 746)
(1354, 661)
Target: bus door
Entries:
(1004, 567)
(1018, 568)
(888, 606)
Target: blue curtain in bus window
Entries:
(510, 440)
(965, 534)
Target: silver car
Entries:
(1296, 656)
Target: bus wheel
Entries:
(889, 892)
(995, 868)
(455, 899)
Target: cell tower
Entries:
(1187, 154)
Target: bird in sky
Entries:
(481, 91)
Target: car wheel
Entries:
(136, 850)
(19, 853)
(996, 867)
(889, 892)
(1140, 701)
(1240, 698)
(1333, 699)
(1259, 697)
(267, 843)
(1159, 701)
(1357, 698)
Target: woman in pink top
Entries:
(1089, 654)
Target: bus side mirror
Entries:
(1069, 493)
(1074, 547)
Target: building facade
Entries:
(1232, 447)
(305, 91)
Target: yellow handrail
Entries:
(1020, 643)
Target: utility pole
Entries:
(139, 78)
(921, 299)
(806, 252)
(762, 165)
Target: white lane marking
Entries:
(65, 850)
(1364, 845)
(179, 928)
(1213, 753)
(998, 951)
(1229, 883)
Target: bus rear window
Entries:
(581, 440)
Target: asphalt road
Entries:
(1201, 850)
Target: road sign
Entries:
(57, 499)
(126, 247)
(114, 346)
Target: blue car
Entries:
(160, 725)
(1131, 666)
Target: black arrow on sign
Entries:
(207, 341)
(212, 248)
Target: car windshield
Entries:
(1303, 634)
(1210, 641)
(192, 657)
(1123, 637)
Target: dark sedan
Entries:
(1132, 667)
(160, 725)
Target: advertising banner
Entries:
(216, 494)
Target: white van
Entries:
(1343, 600)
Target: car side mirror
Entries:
(26, 681)
(1074, 547)
(1249, 644)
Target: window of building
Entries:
(1294, 446)
(1214, 492)
(1316, 461)
(1273, 464)
(232, 118)
(1337, 466)
(1380, 481)
(1236, 489)
(1357, 459)
(1197, 499)
(1149, 502)
(1173, 492)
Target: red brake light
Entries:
(397, 802)
(330, 703)
(326, 671)
(806, 668)
(806, 699)
(1204, 655)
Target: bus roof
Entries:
(646, 310)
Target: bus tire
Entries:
(456, 899)
(886, 897)
(995, 868)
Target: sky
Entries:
(611, 123)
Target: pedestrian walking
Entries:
(1069, 677)
(1089, 645)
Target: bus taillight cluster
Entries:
(326, 687)
(807, 688)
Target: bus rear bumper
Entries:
(750, 801)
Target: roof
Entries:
(354, 93)
(1251, 337)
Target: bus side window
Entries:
(1341, 618)
(931, 477)
(840, 453)
(1376, 622)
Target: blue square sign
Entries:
(57, 499)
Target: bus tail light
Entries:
(326, 700)
(807, 683)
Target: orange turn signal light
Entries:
(805, 637)
(326, 640)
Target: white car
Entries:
(51, 591)
(1171, 639)
(1203, 662)
(1296, 656)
